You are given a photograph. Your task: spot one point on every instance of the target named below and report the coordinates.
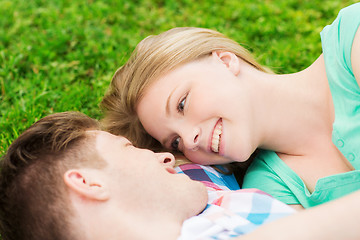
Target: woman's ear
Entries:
(86, 183)
(230, 60)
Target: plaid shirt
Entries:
(228, 213)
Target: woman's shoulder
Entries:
(347, 19)
(263, 167)
(337, 42)
(270, 174)
(352, 9)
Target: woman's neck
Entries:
(296, 110)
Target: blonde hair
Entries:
(154, 56)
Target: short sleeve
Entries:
(261, 176)
(337, 38)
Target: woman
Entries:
(198, 92)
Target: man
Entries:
(63, 178)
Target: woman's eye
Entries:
(181, 105)
(175, 144)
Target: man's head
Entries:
(63, 178)
(32, 201)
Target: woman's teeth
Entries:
(215, 141)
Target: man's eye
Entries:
(181, 105)
(175, 144)
(129, 144)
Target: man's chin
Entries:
(203, 196)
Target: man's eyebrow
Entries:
(168, 102)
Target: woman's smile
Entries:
(216, 136)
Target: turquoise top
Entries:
(270, 174)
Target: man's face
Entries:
(141, 178)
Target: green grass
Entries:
(59, 55)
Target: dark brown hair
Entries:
(33, 199)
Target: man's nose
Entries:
(166, 159)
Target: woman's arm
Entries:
(355, 56)
(334, 220)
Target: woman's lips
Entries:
(216, 136)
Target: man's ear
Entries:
(230, 60)
(87, 183)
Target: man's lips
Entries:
(171, 170)
(216, 136)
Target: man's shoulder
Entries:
(233, 213)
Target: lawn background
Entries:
(59, 55)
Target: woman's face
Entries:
(202, 109)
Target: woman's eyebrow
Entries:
(168, 102)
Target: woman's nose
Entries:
(191, 139)
(166, 159)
